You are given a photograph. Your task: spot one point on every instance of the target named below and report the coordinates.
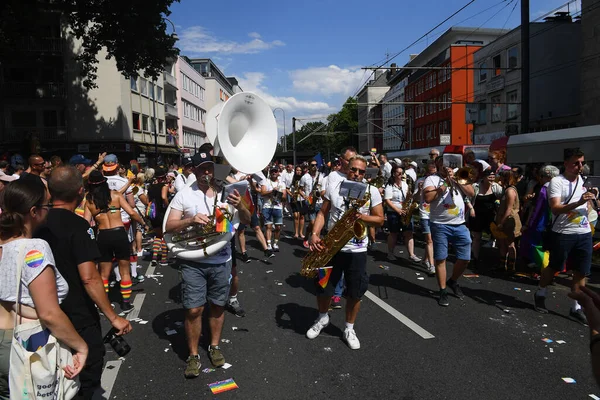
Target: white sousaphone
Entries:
(243, 131)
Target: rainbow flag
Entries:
(323, 276)
(223, 224)
(223, 386)
(247, 200)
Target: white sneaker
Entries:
(430, 269)
(275, 247)
(391, 257)
(351, 339)
(415, 258)
(315, 330)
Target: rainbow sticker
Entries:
(34, 258)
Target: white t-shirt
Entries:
(138, 203)
(412, 173)
(307, 183)
(576, 221)
(116, 182)
(447, 209)
(423, 206)
(181, 181)
(269, 201)
(286, 178)
(338, 208)
(191, 201)
(397, 195)
(386, 170)
(35, 256)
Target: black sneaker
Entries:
(578, 316)
(234, 307)
(336, 302)
(245, 258)
(455, 288)
(126, 308)
(269, 253)
(443, 301)
(539, 304)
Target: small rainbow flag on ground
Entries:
(223, 224)
(247, 200)
(223, 386)
(324, 274)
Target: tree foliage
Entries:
(331, 136)
(134, 32)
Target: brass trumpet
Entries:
(466, 175)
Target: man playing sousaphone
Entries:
(206, 279)
(352, 258)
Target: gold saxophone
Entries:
(346, 228)
(409, 205)
(378, 181)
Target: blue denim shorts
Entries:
(202, 282)
(273, 216)
(457, 235)
(576, 248)
(312, 213)
(425, 227)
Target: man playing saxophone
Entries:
(206, 279)
(352, 258)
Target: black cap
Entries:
(160, 172)
(188, 161)
(200, 158)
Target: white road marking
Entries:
(109, 376)
(399, 316)
(137, 304)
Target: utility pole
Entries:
(524, 66)
(294, 140)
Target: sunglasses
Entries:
(432, 154)
(313, 165)
(358, 170)
(39, 164)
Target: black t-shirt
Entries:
(521, 187)
(72, 242)
(28, 176)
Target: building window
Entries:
(446, 127)
(428, 132)
(482, 118)
(497, 63)
(513, 57)
(152, 127)
(145, 123)
(439, 76)
(444, 105)
(434, 131)
(483, 72)
(143, 86)
(496, 109)
(159, 93)
(136, 121)
(151, 89)
(511, 97)
(160, 126)
(440, 128)
(133, 84)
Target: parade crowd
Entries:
(69, 232)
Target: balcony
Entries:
(51, 45)
(44, 135)
(169, 80)
(26, 90)
(171, 111)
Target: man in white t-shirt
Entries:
(571, 237)
(286, 177)
(352, 258)
(272, 191)
(186, 176)
(410, 167)
(311, 189)
(430, 170)
(385, 167)
(447, 222)
(205, 279)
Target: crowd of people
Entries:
(79, 228)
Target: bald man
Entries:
(36, 168)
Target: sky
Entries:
(305, 57)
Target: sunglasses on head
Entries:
(358, 170)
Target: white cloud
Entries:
(328, 81)
(198, 40)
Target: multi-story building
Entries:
(590, 62)
(393, 114)
(219, 88)
(369, 132)
(440, 84)
(555, 49)
(33, 91)
(191, 106)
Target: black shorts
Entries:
(395, 224)
(481, 223)
(354, 267)
(113, 243)
(300, 207)
(157, 222)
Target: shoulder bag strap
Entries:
(565, 203)
(19, 270)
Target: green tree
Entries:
(132, 31)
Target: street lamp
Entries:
(284, 136)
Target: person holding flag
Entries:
(208, 278)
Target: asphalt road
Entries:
(487, 346)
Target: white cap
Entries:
(397, 161)
(484, 164)
(414, 164)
